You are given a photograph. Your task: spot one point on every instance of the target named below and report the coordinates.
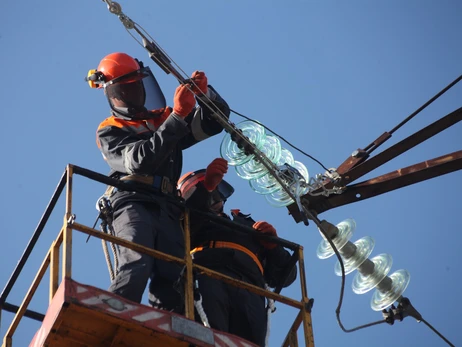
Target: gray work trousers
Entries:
(149, 225)
(232, 309)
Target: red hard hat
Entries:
(117, 64)
(187, 183)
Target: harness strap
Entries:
(224, 244)
(109, 191)
(161, 183)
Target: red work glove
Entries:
(268, 229)
(200, 80)
(215, 173)
(183, 101)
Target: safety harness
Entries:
(270, 307)
(224, 244)
(163, 184)
(160, 183)
(104, 207)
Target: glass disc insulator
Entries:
(254, 168)
(364, 247)
(345, 231)
(382, 265)
(230, 150)
(382, 300)
(267, 184)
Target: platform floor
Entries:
(81, 315)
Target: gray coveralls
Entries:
(151, 147)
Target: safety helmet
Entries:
(131, 88)
(188, 182)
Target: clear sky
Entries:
(330, 76)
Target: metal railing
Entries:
(64, 239)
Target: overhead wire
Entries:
(282, 138)
(140, 29)
(235, 112)
(342, 289)
(421, 108)
(337, 253)
(342, 292)
(220, 117)
(153, 48)
(217, 114)
(437, 332)
(373, 146)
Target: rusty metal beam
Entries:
(402, 146)
(385, 183)
(359, 164)
(403, 177)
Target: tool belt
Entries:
(224, 244)
(160, 183)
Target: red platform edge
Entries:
(72, 292)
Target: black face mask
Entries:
(132, 95)
(216, 204)
(215, 197)
(225, 190)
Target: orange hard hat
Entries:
(130, 87)
(117, 64)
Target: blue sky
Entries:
(330, 76)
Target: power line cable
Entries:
(408, 310)
(373, 146)
(437, 332)
(342, 290)
(282, 138)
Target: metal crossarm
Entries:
(359, 164)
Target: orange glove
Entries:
(215, 173)
(183, 101)
(268, 229)
(200, 80)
